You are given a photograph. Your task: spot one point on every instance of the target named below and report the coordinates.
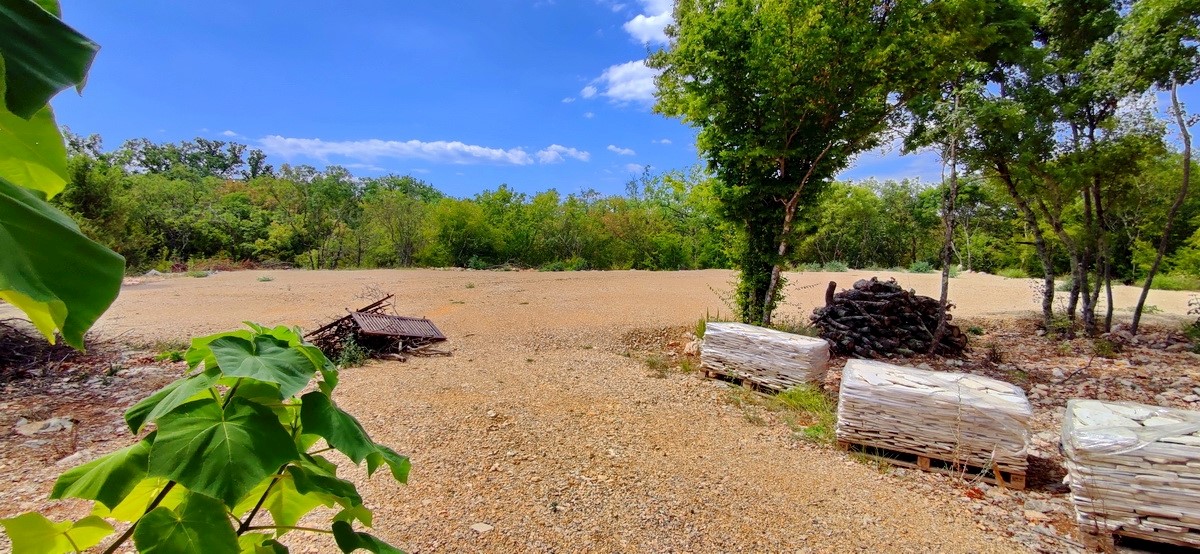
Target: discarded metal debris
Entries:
(381, 335)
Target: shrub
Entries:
(352, 355)
(1012, 273)
(814, 408)
(477, 263)
(170, 356)
(920, 267)
(810, 267)
(1065, 285)
(835, 266)
(796, 326)
(1176, 281)
(266, 279)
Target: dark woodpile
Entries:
(879, 319)
(378, 334)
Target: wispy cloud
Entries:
(621, 151)
(438, 152)
(624, 83)
(635, 168)
(557, 153)
(588, 115)
(568, 100)
(231, 134)
(661, 141)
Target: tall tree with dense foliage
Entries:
(1159, 42)
(785, 93)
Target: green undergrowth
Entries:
(806, 409)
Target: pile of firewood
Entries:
(879, 319)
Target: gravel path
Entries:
(547, 425)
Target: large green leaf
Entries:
(32, 152)
(221, 453)
(199, 351)
(284, 502)
(313, 479)
(139, 499)
(260, 543)
(320, 417)
(197, 526)
(109, 479)
(168, 398)
(42, 55)
(60, 278)
(350, 540)
(397, 463)
(266, 359)
(32, 533)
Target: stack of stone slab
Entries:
(952, 417)
(765, 357)
(1134, 470)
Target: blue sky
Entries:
(465, 94)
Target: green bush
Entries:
(835, 266)
(815, 408)
(920, 267)
(352, 355)
(1012, 273)
(1176, 281)
(810, 267)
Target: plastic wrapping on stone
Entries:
(764, 356)
(1108, 428)
(1134, 469)
(950, 416)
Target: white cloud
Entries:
(231, 134)
(627, 82)
(588, 91)
(635, 168)
(446, 152)
(649, 27)
(555, 154)
(588, 115)
(661, 141)
(621, 151)
(568, 100)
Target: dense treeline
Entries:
(161, 205)
(164, 205)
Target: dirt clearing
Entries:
(547, 425)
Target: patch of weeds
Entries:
(796, 326)
(197, 274)
(1064, 286)
(880, 464)
(1060, 326)
(835, 266)
(657, 365)
(975, 330)
(954, 271)
(113, 369)
(169, 356)
(1064, 349)
(352, 355)
(266, 279)
(754, 418)
(810, 412)
(920, 267)
(458, 301)
(810, 267)
(1012, 273)
(686, 365)
(993, 353)
(702, 323)
(1176, 281)
(1018, 376)
(1105, 348)
(1151, 309)
(470, 285)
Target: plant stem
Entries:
(289, 528)
(245, 526)
(128, 532)
(229, 395)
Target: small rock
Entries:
(52, 425)
(1035, 505)
(481, 528)
(491, 414)
(1036, 516)
(692, 348)
(1179, 347)
(153, 273)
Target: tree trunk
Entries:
(948, 206)
(1039, 243)
(776, 268)
(1179, 199)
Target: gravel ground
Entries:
(547, 425)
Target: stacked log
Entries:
(766, 357)
(954, 417)
(879, 319)
(1134, 470)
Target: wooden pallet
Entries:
(1014, 480)
(738, 380)
(1102, 541)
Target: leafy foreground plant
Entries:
(231, 440)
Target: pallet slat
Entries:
(995, 475)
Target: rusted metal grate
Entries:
(382, 325)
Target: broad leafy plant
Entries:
(245, 432)
(50, 270)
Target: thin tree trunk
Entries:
(777, 268)
(1174, 211)
(948, 207)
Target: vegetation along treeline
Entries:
(204, 201)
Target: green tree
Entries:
(785, 93)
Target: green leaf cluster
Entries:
(233, 439)
(50, 270)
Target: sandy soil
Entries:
(546, 423)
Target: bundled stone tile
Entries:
(953, 417)
(1134, 470)
(766, 357)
